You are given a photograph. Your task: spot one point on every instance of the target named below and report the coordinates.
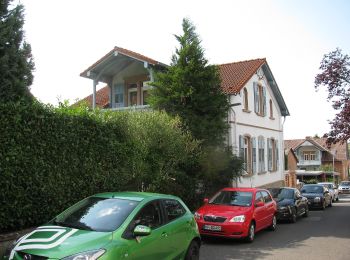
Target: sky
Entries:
(67, 36)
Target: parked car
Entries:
(110, 226)
(333, 190)
(237, 213)
(344, 187)
(318, 196)
(290, 203)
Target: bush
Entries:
(50, 158)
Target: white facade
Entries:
(248, 123)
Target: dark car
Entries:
(290, 203)
(318, 196)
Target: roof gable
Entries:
(235, 75)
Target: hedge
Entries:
(50, 158)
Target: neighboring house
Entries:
(290, 166)
(255, 116)
(317, 160)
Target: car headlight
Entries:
(317, 199)
(197, 215)
(88, 255)
(240, 219)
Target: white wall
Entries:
(255, 125)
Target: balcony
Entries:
(309, 162)
(132, 108)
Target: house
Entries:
(318, 160)
(290, 166)
(256, 113)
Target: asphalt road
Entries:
(323, 235)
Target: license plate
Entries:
(212, 228)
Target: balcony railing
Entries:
(132, 108)
(309, 162)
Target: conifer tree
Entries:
(190, 88)
(16, 62)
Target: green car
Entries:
(124, 225)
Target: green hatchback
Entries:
(123, 225)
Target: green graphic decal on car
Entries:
(60, 234)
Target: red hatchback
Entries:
(237, 213)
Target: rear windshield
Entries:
(233, 198)
(312, 189)
(280, 193)
(96, 214)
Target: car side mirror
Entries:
(141, 230)
(206, 201)
(259, 204)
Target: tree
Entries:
(335, 75)
(190, 88)
(16, 61)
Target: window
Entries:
(259, 99)
(245, 99)
(267, 197)
(245, 150)
(119, 95)
(173, 209)
(258, 197)
(261, 154)
(273, 158)
(149, 216)
(309, 156)
(132, 90)
(271, 110)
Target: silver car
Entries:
(344, 187)
(332, 190)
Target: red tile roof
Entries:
(235, 75)
(102, 98)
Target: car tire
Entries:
(273, 225)
(293, 218)
(193, 251)
(306, 213)
(251, 233)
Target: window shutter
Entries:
(264, 101)
(269, 154)
(277, 155)
(253, 143)
(263, 154)
(241, 147)
(256, 97)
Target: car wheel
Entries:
(273, 224)
(293, 218)
(251, 233)
(306, 213)
(193, 251)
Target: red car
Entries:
(237, 213)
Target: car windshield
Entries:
(281, 193)
(312, 189)
(233, 198)
(345, 183)
(327, 185)
(97, 214)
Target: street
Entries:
(323, 235)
